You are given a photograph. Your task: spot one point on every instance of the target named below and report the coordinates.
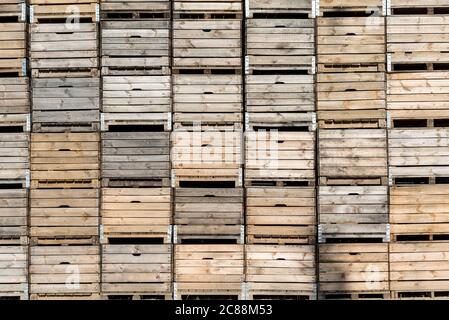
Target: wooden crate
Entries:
(65, 160)
(208, 214)
(279, 44)
(207, 99)
(348, 6)
(404, 7)
(15, 97)
(135, 9)
(351, 44)
(13, 272)
(136, 213)
(131, 159)
(280, 215)
(353, 157)
(419, 212)
(12, 11)
(14, 158)
(280, 272)
(12, 48)
(418, 99)
(357, 271)
(280, 158)
(57, 50)
(207, 9)
(207, 44)
(279, 100)
(419, 270)
(13, 216)
(136, 100)
(416, 35)
(355, 213)
(136, 270)
(64, 271)
(351, 100)
(60, 11)
(135, 47)
(206, 156)
(60, 214)
(256, 8)
(418, 155)
(66, 104)
(208, 271)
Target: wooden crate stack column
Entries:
(207, 64)
(135, 54)
(207, 149)
(352, 142)
(418, 148)
(280, 150)
(64, 213)
(14, 150)
(64, 65)
(136, 212)
(65, 153)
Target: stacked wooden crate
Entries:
(65, 150)
(418, 148)
(64, 214)
(354, 271)
(207, 64)
(280, 150)
(14, 150)
(135, 170)
(353, 184)
(207, 92)
(207, 149)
